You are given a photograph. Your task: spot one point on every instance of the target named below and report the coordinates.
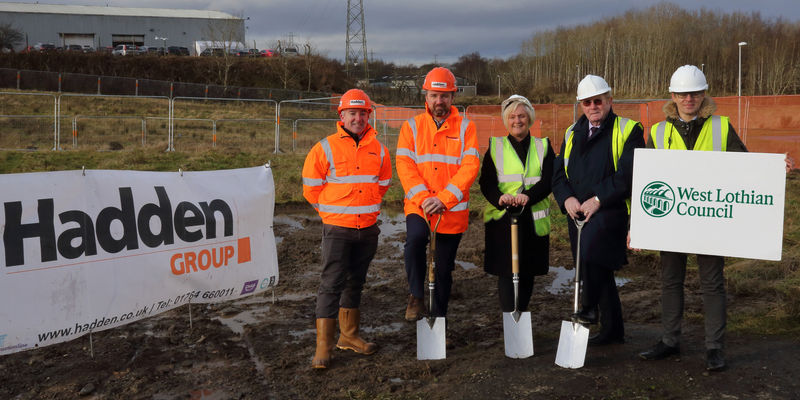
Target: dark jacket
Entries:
(690, 130)
(591, 173)
(534, 257)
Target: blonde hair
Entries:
(510, 104)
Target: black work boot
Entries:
(660, 351)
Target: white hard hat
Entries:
(687, 78)
(591, 86)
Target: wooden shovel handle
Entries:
(514, 249)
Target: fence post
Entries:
(136, 93)
(206, 91)
(214, 133)
(18, 79)
(98, 85)
(144, 132)
(59, 82)
(171, 89)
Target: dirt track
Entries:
(257, 349)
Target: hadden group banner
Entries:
(707, 202)
(88, 251)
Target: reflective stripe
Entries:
(349, 209)
(539, 150)
(532, 180)
(416, 190)
(385, 182)
(438, 158)
(326, 147)
(353, 179)
(413, 125)
(568, 146)
(660, 128)
(623, 122)
(464, 205)
(461, 136)
(383, 154)
(541, 214)
(407, 153)
(509, 178)
(471, 152)
(716, 133)
(455, 191)
(313, 182)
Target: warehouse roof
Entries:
(112, 11)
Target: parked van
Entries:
(125, 50)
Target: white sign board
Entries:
(706, 202)
(84, 252)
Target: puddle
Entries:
(393, 327)
(290, 220)
(237, 322)
(466, 265)
(564, 280)
(304, 332)
(296, 296)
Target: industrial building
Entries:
(99, 27)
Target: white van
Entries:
(125, 50)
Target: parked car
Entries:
(44, 47)
(126, 50)
(75, 47)
(178, 50)
(88, 49)
(153, 50)
(289, 52)
(213, 51)
(267, 53)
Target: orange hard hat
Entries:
(440, 79)
(355, 98)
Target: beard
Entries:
(440, 110)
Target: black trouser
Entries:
(505, 287)
(346, 254)
(417, 238)
(600, 290)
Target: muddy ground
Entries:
(261, 347)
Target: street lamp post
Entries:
(740, 66)
(165, 42)
(498, 87)
(742, 131)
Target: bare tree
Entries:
(225, 36)
(9, 36)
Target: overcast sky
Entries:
(422, 31)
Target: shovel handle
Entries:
(432, 255)
(514, 248)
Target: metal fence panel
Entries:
(232, 124)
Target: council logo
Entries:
(657, 199)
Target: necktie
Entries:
(592, 131)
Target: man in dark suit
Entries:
(592, 178)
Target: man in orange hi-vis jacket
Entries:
(345, 177)
(437, 161)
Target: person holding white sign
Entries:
(345, 176)
(692, 125)
(592, 178)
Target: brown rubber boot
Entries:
(349, 319)
(414, 309)
(326, 328)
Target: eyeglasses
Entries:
(694, 95)
(588, 102)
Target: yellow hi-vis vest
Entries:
(622, 129)
(512, 176)
(713, 136)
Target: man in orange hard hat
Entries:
(345, 176)
(437, 161)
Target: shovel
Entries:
(517, 331)
(430, 330)
(571, 351)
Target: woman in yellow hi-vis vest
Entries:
(515, 177)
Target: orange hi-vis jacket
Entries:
(439, 162)
(345, 181)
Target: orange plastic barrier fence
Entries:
(766, 124)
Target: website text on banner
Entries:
(87, 252)
(708, 202)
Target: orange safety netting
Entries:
(766, 124)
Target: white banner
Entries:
(707, 202)
(84, 252)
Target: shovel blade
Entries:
(571, 351)
(518, 335)
(431, 340)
